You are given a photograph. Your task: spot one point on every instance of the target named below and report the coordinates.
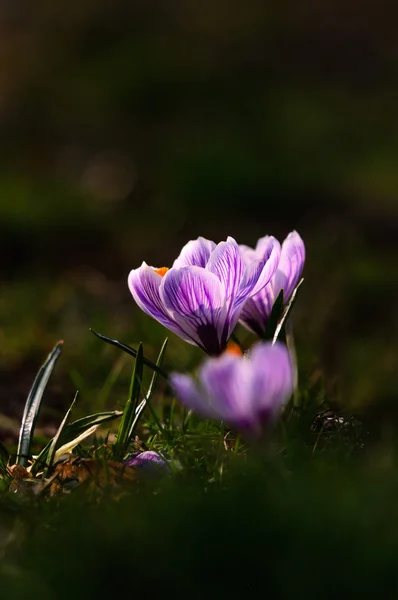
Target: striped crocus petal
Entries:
(290, 265)
(195, 299)
(257, 310)
(260, 267)
(226, 263)
(144, 284)
(259, 271)
(196, 252)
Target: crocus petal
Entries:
(196, 252)
(256, 311)
(148, 460)
(258, 308)
(187, 391)
(226, 262)
(258, 273)
(246, 253)
(226, 380)
(273, 377)
(245, 391)
(257, 276)
(144, 284)
(195, 299)
(290, 266)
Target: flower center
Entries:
(233, 348)
(162, 271)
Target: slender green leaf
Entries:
(80, 425)
(130, 351)
(72, 431)
(32, 406)
(131, 405)
(151, 389)
(287, 311)
(293, 354)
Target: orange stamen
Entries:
(233, 348)
(162, 271)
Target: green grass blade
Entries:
(56, 439)
(130, 351)
(123, 438)
(287, 311)
(32, 405)
(151, 389)
(77, 427)
(72, 431)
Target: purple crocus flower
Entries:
(202, 296)
(244, 391)
(148, 460)
(257, 310)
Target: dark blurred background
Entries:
(130, 127)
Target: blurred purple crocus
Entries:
(202, 296)
(148, 461)
(246, 392)
(257, 310)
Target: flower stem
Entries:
(292, 349)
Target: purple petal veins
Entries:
(202, 296)
(257, 309)
(144, 284)
(227, 264)
(195, 298)
(291, 265)
(196, 252)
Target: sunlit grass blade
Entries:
(72, 431)
(69, 446)
(128, 416)
(32, 405)
(151, 389)
(130, 351)
(287, 311)
(56, 439)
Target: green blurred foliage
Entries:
(269, 527)
(129, 128)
